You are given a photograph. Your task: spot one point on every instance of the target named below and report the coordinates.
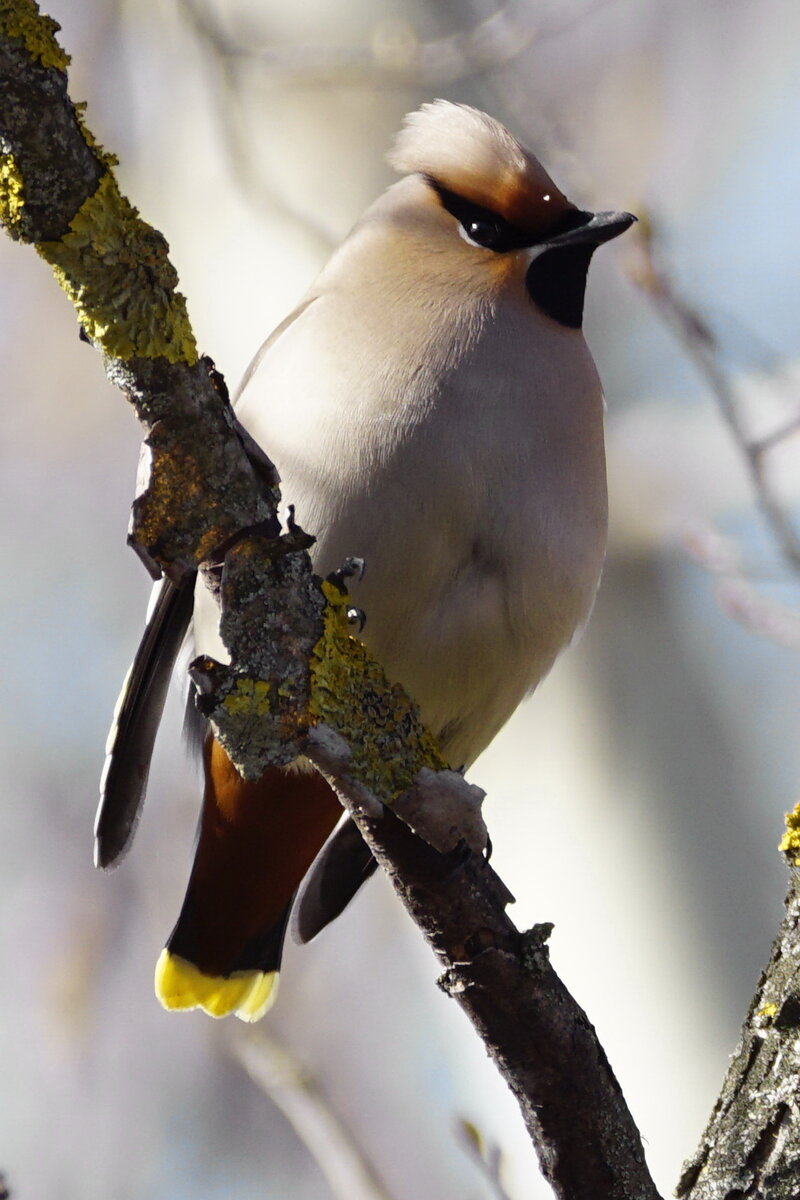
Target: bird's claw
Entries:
(356, 619)
(351, 568)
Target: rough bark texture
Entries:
(209, 502)
(201, 492)
(59, 168)
(534, 1030)
(751, 1146)
(536, 1033)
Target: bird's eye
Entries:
(481, 226)
(484, 233)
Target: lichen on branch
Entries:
(115, 269)
(22, 19)
(350, 691)
(790, 842)
(113, 266)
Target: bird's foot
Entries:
(351, 568)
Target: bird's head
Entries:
(479, 185)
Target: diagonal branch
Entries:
(310, 687)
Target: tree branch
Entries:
(751, 1145)
(298, 681)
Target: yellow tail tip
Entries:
(181, 986)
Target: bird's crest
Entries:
(476, 157)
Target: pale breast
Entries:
(471, 483)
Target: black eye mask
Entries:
(491, 231)
(481, 225)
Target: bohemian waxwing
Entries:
(433, 409)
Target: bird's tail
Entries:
(256, 842)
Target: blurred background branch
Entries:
(395, 53)
(488, 1155)
(700, 345)
(292, 1088)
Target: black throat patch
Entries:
(556, 283)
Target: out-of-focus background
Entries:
(635, 801)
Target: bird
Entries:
(434, 411)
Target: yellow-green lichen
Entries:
(116, 272)
(22, 19)
(248, 697)
(12, 192)
(104, 156)
(767, 1012)
(790, 842)
(350, 692)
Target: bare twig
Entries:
(762, 446)
(735, 586)
(235, 141)
(487, 1156)
(291, 1087)
(765, 617)
(700, 345)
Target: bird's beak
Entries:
(598, 228)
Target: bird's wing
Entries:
(256, 361)
(136, 720)
(337, 873)
(141, 701)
